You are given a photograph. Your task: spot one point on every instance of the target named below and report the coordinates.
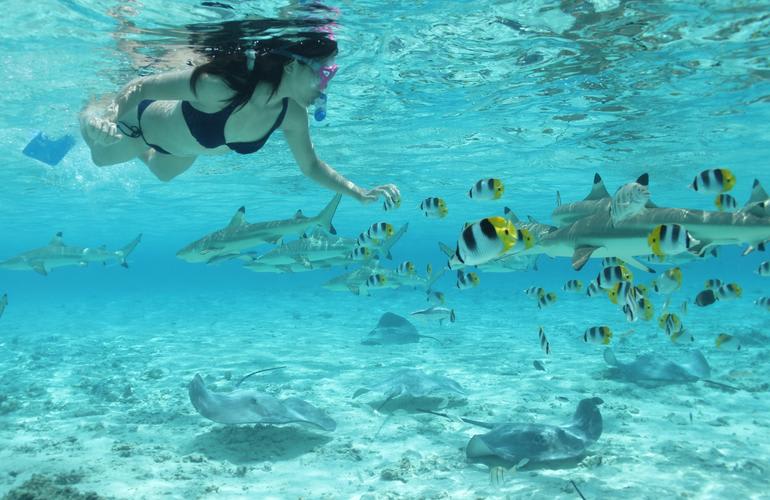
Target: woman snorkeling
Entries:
(234, 102)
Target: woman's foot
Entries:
(98, 126)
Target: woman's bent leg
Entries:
(166, 167)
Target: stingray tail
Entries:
(588, 418)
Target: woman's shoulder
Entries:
(296, 116)
(210, 88)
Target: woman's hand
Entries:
(388, 191)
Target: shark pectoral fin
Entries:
(634, 262)
(39, 268)
(581, 256)
(275, 240)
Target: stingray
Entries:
(655, 369)
(412, 383)
(253, 407)
(393, 329)
(537, 443)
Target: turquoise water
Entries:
(433, 97)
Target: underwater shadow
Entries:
(257, 443)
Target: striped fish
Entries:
(391, 204)
(435, 297)
(544, 344)
(534, 292)
(670, 239)
(713, 283)
(715, 180)
(763, 302)
(546, 300)
(434, 207)
(764, 269)
(360, 253)
(376, 281)
(593, 290)
(598, 335)
(610, 276)
(670, 323)
(612, 261)
(669, 282)
(482, 241)
(375, 235)
(729, 291)
(647, 309)
(487, 189)
(467, 280)
(572, 286)
(725, 202)
(727, 342)
(405, 268)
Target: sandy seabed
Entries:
(94, 404)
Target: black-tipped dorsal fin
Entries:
(238, 219)
(56, 241)
(598, 191)
(758, 194)
(510, 215)
(299, 215)
(644, 180)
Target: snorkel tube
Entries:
(320, 108)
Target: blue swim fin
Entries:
(47, 150)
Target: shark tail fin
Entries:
(326, 215)
(588, 418)
(126, 250)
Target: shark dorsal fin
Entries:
(56, 241)
(598, 191)
(758, 194)
(643, 180)
(510, 215)
(238, 219)
(299, 215)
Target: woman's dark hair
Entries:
(270, 56)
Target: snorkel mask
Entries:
(325, 73)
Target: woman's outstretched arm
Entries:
(297, 135)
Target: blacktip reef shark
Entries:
(317, 247)
(595, 235)
(57, 254)
(240, 234)
(354, 280)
